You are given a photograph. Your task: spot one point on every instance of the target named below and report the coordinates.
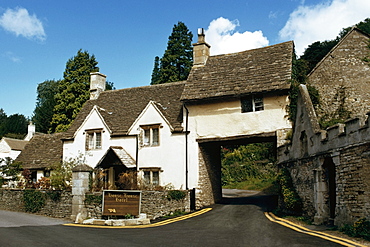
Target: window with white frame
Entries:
(252, 103)
(151, 176)
(93, 139)
(151, 135)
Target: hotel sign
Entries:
(121, 202)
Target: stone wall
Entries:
(343, 78)
(12, 200)
(153, 203)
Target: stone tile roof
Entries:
(232, 75)
(42, 151)
(120, 108)
(15, 144)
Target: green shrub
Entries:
(34, 200)
(54, 195)
(176, 195)
(359, 229)
(292, 201)
(93, 199)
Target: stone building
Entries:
(330, 168)
(172, 133)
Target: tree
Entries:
(155, 73)
(3, 118)
(45, 104)
(16, 126)
(177, 60)
(73, 90)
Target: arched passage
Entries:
(210, 187)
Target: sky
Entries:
(37, 37)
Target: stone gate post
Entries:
(80, 185)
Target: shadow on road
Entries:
(265, 202)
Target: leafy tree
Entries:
(317, 51)
(45, 104)
(16, 126)
(10, 168)
(177, 60)
(73, 90)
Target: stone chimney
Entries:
(200, 49)
(97, 84)
(31, 131)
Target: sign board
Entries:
(121, 202)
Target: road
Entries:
(234, 222)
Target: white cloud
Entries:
(324, 21)
(223, 39)
(20, 22)
(11, 56)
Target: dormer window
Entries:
(151, 135)
(252, 103)
(93, 139)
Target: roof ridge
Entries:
(250, 50)
(167, 84)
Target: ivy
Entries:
(93, 199)
(176, 195)
(291, 200)
(34, 200)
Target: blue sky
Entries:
(37, 37)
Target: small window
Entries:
(151, 135)
(151, 177)
(252, 103)
(93, 139)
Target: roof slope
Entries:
(15, 144)
(120, 108)
(253, 71)
(42, 151)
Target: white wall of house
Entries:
(169, 155)
(6, 151)
(225, 119)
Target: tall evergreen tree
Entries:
(177, 60)
(73, 90)
(45, 104)
(155, 73)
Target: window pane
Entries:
(146, 136)
(98, 140)
(155, 178)
(258, 103)
(246, 104)
(155, 137)
(91, 141)
(147, 177)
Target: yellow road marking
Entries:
(302, 229)
(161, 223)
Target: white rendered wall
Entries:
(225, 119)
(169, 155)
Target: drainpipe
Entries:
(186, 147)
(137, 152)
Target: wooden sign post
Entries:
(121, 202)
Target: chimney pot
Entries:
(200, 49)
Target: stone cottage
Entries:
(330, 168)
(172, 133)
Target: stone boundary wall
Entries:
(153, 203)
(12, 200)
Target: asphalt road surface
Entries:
(234, 222)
